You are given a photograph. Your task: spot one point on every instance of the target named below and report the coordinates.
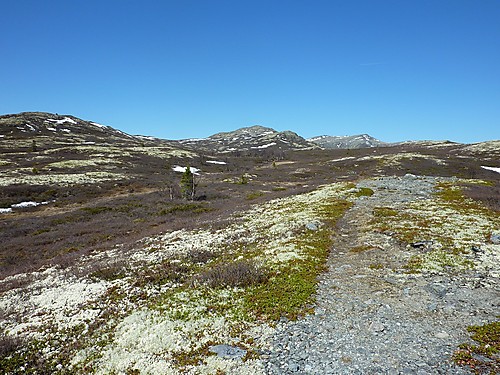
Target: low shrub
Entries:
(241, 273)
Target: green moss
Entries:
(482, 358)
(288, 293)
(381, 212)
(364, 192)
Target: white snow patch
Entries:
(178, 168)
(52, 129)
(216, 162)
(28, 204)
(31, 127)
(342, 159)
(98, 125)
(5, 210)
(192, 140)
(66, 130)
(264, 146)
(1, 136)
(59, 122)
(494, 169)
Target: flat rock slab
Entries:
(228, 351)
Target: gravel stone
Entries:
(383, 321)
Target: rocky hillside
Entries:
(347, 142)
(63, 129)
(254, 139)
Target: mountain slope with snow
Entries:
(254, 138)
(346, 142)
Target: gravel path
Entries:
(382, 321)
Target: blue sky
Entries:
(398, 70)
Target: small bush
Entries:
(236, 274)
(165, 272)
(8, 345)
(200, 256)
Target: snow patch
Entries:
(264, 146)
(21, 205)
(98, 125)
(494, 169)
(342, 159)
(52, 129)
(59, 122)
(216, 162)
(178, 168)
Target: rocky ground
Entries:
(372, 316)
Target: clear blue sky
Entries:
(398, 70)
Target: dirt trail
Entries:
(372, 317)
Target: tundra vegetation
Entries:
(116, 272)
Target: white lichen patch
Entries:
(82, 163)
(453, 228)
(63, 179)
(53, 299)
(396, 159)
(162, 152)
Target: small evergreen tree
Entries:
(188, 186)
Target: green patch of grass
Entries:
(483, 357)
(196, 208)
(254, 195)
(288, 292)
(376, 266)
(96, 210)
(279, 188)
(364, 192)
(381, 212)
(40, 231)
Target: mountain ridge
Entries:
(69, 128)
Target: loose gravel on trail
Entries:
(382, 320)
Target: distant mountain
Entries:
(63, 129)
(346, 142)
(254, 138)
